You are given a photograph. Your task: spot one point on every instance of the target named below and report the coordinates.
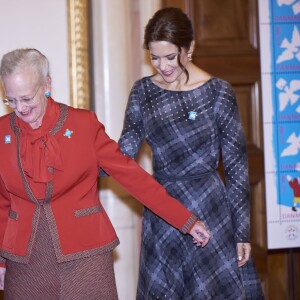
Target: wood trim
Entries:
(78, 27)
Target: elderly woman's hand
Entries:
(2, 275)
(200, 234)
(243, 253)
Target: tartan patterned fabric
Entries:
(186, 131)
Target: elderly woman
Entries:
(56, 239)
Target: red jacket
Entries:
(78, 223)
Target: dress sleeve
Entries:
(234, 156)
(133, 132)
(138, 182)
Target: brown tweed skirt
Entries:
(43, 278)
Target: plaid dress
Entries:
(186, 131)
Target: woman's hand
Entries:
(243, 253)
(200, 234)
(2, 275)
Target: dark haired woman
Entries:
(187, 116)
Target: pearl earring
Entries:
(190, 57)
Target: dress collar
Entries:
(40, 152)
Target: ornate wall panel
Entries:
(224, 26)
(78, 16)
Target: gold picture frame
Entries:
(78, 27)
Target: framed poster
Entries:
(280, 71)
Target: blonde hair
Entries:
(21, 59)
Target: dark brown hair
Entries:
(171, 25)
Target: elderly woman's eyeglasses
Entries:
(27, 101)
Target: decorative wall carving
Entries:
(78, 16)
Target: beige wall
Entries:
(39, 24)
(119, 60)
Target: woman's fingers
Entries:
(200, 233)
(243, 253)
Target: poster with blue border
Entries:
(279, 23)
